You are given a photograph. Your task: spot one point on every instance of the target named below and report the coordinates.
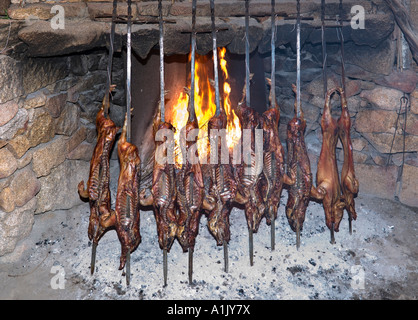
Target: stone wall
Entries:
(373, 101)
(47, 134)
(48, 104)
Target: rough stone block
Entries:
(376, 180)
(41, 130)
(45, 41)
(23, 187)
(16, 225)
(10, 78)
(7, 111)
(409, 192)
(59, 189)
(8, 163)
(383, 97)
(39, 72)
(55, 103)
(375, 121)
(35, 99)
(50, 155)
(67, 122)
(18, 122)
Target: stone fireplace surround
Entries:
(50, 94)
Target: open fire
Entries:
(205, 107)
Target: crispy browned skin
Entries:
(298, 166)
(349, 183)
(248, 187)
(98, 193)
(163, 195)
(127, 198)
(190, 192)
(327, 174)
(274, 161)
(221, 191)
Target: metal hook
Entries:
(404, 104)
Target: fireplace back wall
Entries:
(52, 84)
(146, 89)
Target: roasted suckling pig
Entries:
(127, 198)
(223, 186)
(189, 183)
(349, 183)
(274, 161)
(190, 190)
(250, 169)
(298, 166)
(163, 193)
(327, 177)
(163, 189)
(102, 216)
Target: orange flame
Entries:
(205, 108)
(178, 118)
(233, 127)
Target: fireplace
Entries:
(177, 70)
(53, 83)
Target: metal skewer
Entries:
(298, 107)
(162, 107)
(128, 123)
(247, 53)
(161, 27)
(93, 257)
(110, 61)
(193, 59)
(324, 49)
(106, 108)
(191, 109)
(226, 260)
(215, 59)
(342, 46)
(248, 103)
(128, 72)
(217, 98)
(165, 267)
(340, 29)
(273, 99)
(273, 53)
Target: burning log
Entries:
(102, 217)
(127, 199)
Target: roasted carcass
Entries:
(327, 178)
(127, 198)
(190, 191)
(349, 183)
(274, 161)
(189, 183)
(250, 169)
(101, 215)
(248, 173)
(163, 189)
(163, 196)
(299, 167)
(222, 184)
